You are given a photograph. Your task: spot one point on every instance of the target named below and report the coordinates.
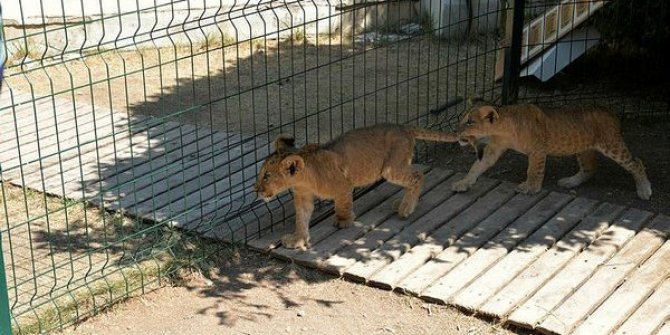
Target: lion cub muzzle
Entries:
(263, 194)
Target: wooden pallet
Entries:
(552, 262)
(149, 168)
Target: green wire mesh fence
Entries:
(125, 123)
(122, 121)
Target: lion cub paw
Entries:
(644, 190)
(403, 209)
(295, 241)
(460, 186)
(344, 222)
(527, 188)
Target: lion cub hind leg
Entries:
(618, 152)
(412, 180)
(587, 168)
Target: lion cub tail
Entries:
(432, 135)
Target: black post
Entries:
(513, 32)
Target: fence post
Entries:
(513, 35)
(5, 320)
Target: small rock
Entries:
(301, 313)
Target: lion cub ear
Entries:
(489, 113)
(293, 164)
(284, 142)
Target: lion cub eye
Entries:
(469, 122)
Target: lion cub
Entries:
(529, 130)
(357, 158)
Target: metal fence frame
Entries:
(440, 113)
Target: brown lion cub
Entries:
(357, 158)
(529, 130)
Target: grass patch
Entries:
(76, 260)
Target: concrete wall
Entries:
(72, 28)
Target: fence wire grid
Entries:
(125, 124)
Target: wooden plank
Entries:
(223, 228)
(150, 169)
(367, 201)
(603, 282)
(72, 173)
(495, 249)
(635, 249)
(87, 135)
(184, 197)
(389, 276)
(258, 220)
(469, 243)
(102, 170)
(21, 121)
(532, 278)
(378, 219)
(26, 142)
(244, 218)
(629, 296)
(90, 138)
(50, 124)
(65, 178)
(21, 112)
(223, 198)
(75, 145)
(367, 221)
(249, 155)
(159, 173)
(484, 287)
(353, 250)
(25, 116)
(417, 231)
(651, 314)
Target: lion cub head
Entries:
(479, 123)
(281, 170)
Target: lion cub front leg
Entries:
(535, 173)
(299, 239)
(491, 154)
(344, 214)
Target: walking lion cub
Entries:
(357, 158)
(537, 133)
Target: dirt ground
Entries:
(252, 294)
